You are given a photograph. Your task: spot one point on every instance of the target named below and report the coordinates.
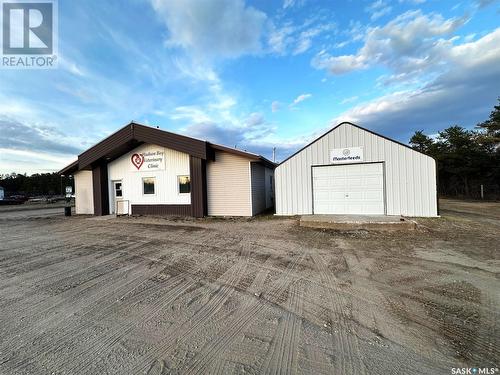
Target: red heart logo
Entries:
(137, 160)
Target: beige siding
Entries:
(84, 195)
(228, 185)
(258, 188)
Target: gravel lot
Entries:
(85, 295)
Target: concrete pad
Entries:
(357, 222)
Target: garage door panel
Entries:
(348, 189)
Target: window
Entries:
(184, 184)
(118, 189)
(148, 185)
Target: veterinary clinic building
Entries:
(148, 171)
(351, 170)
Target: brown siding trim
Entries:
(173, 141)
(98, 151)
(161, 209)
(197, 170)
(100, 189)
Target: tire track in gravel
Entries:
(184, 330)
(81, 361)
(349, 358)
(235, 324)
(219, 364)
(37, 299)
(84, 299)
(282, 356)
(233, 276)
(74, 330)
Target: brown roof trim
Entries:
(356, 126)
(245, 154)
(69, 169)
(134, 134)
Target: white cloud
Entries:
(275, 106)
(292, 3)
(412, 42)
(280, 38)
(378, 8)
(349, 100)
(485, 3)
(300, 99)
(212, 28)
(462, 95)
(295, 39)
(255, 119)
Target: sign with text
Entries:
(346, 155)
(148, 161)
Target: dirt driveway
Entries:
(85, 295)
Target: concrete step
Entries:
(358, 222)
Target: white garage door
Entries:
(349, 189)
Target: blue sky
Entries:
(251, 74)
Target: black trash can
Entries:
(67, 211)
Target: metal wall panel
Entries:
(198, 175)
(100, 189)
(258, 186)
(410, 175)
(162, 209)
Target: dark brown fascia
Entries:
(132, 135)
(69, 169)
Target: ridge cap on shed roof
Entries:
(356, 126)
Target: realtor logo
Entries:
(29, 31)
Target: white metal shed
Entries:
(352, 170)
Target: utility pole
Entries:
(274, 154)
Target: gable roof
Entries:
(133, 135)
(356, 126)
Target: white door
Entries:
(117, 194)
(349, 189)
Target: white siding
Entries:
(228, 185)
(410, 177)
(166, 184)
(84, 193)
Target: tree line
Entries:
(466, 159)
(39, 184)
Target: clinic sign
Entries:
(148, 161)
(346, 155)
(28, 37)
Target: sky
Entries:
(251, 74)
